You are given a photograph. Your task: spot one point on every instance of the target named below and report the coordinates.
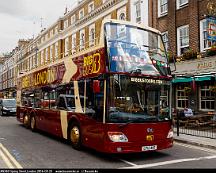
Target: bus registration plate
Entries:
(149, 148)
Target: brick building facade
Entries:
(184, 26)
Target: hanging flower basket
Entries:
(213, 88)
(187, 90)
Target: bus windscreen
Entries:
(132, 49)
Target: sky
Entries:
(22, 19)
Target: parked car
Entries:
(7, 107)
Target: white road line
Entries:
(169, 162)
(129, 163)
(210, 151)
(9, 156)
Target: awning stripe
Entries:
(190, 79)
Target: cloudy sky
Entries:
(21, 19)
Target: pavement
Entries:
(195, 140)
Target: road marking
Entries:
(8, 158)
(210, 151)
(169, 162)
(129, 163)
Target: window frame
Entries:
(180, 5)
(179, 47)
(90, 9)
(206, 100)
(81, 12)
(183, 98)
(166, 41)
(138, 11)
(160, 13)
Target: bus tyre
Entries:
(33, 123)
(75, 136)
(26, 121)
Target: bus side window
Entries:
(61, 103)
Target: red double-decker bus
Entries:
(114, 98)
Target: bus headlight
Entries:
(170, 133)
(117, 137)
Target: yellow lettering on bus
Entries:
(91, 64)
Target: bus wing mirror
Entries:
(96, 86)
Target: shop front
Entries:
(194, 85)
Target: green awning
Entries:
(182, 79)
(202, 78)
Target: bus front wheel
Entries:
(75, 136)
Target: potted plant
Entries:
(211, 51)
(190, 54)
(213, 88)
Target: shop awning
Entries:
(203, 78)
(182, 79)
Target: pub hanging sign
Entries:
(211, 28)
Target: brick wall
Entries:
(188, 15)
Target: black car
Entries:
(7, 107)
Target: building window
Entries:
(138, 11)
(92, 35)
(183, 39)
(82, 40)
(162, 7)
(91, 7)
(47, 55)
(81, 14)
(65, 24)
(182, 97)
(56, 29)
(165, 39)
(73, 19)
(73, 43)
(56, 50)
(207, 98)
(181, 3)
(51, 53)
(66, 46)
(121, 13)
(204, 43)
(122, 16)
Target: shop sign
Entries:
(206, 65)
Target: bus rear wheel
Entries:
(33, 123)
(26, 121)
(75, 136)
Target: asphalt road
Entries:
(41, 150)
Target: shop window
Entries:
(207, 99)
(182, 97)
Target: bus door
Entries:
(51, 114)
(93, 122)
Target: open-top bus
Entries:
(114, 97)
